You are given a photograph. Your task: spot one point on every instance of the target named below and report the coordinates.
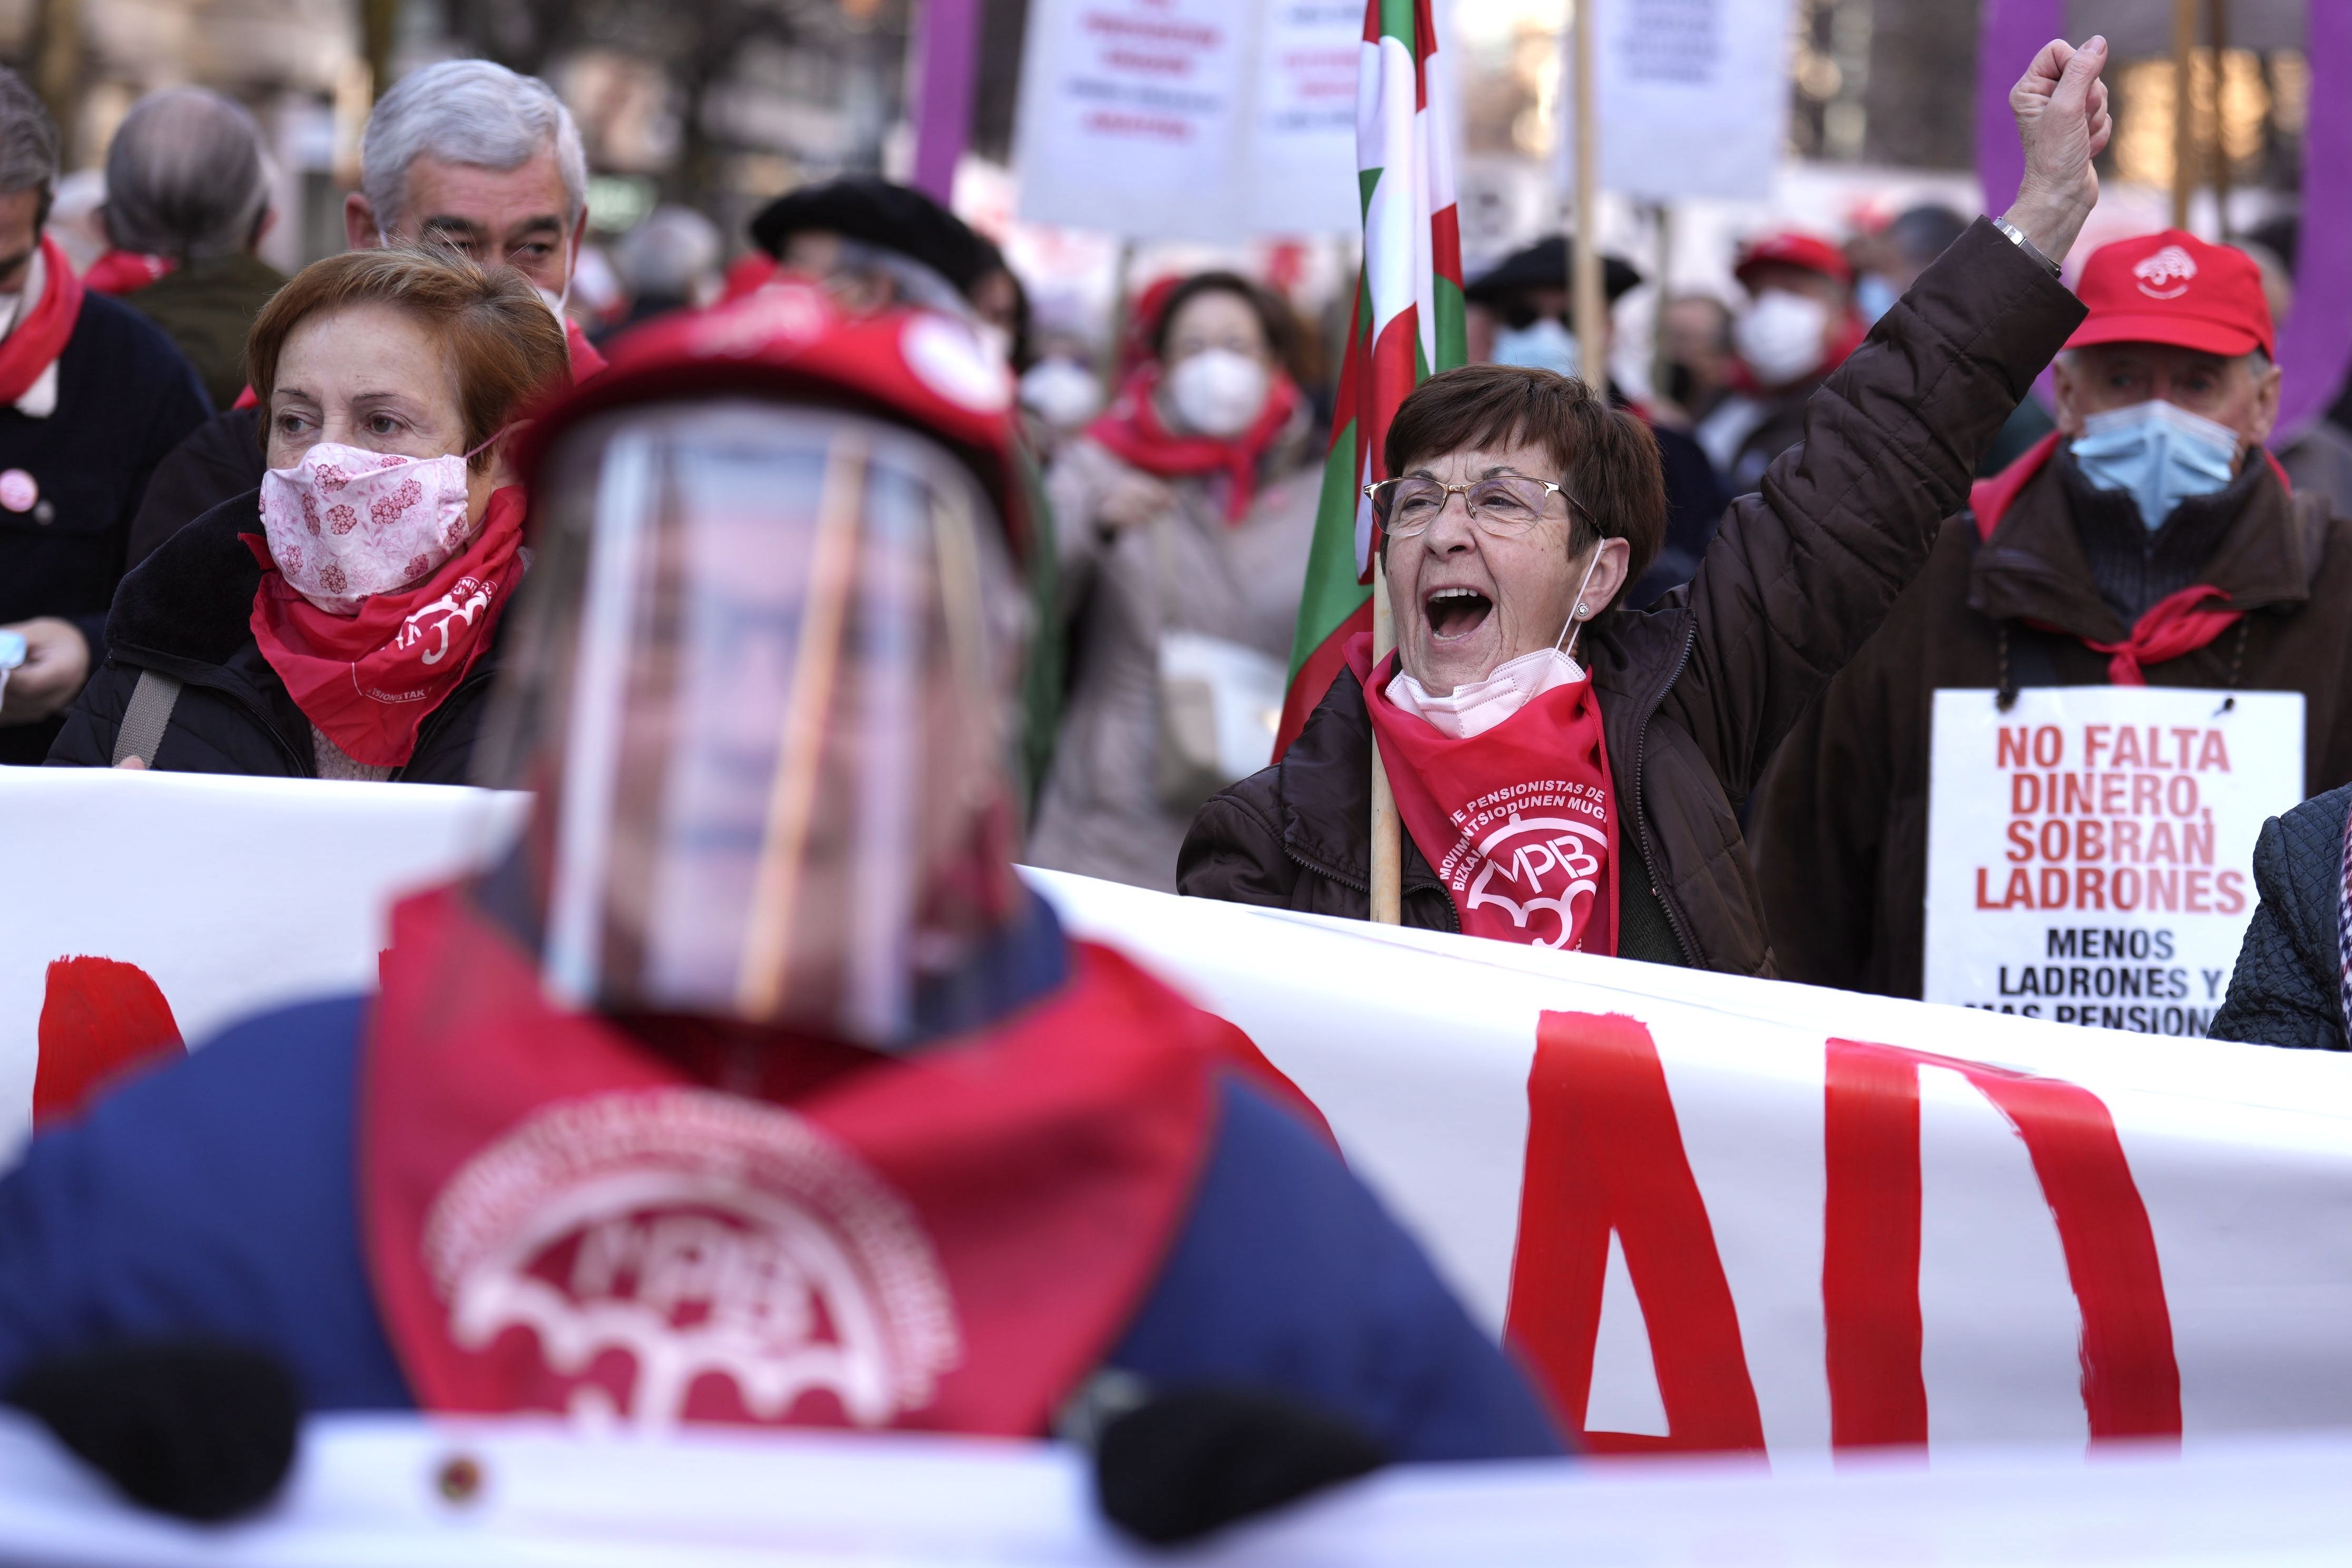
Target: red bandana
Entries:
(585, 360)
(126, 272)
(560, 1220)
(2172, 628)
(41, 336)
(369, 680)
(1521, 822)
(1133, 432)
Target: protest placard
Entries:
(1207, 119)
(2090, 850)
(1693, 98)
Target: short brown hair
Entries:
(1606, 458)
(505, 340)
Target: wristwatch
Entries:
(2016, 237)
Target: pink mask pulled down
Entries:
(345, 524)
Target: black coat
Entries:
(125, 398)
(2288, 988)
(186, 612)
(220, 460)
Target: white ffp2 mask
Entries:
(1218, 392)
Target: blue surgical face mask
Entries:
(1542, 344)
(2158, 454)
(1873, 296)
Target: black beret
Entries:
(1544, 265)
(874, 212)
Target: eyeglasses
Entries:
(1505, 506)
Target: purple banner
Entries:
(950, 59)
(2316, 340)
(2010, 33)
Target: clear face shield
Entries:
(763, 692)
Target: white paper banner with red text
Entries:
(1714, 1212)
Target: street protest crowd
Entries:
(836, 596)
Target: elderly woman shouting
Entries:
(337, 623)
(1566, 772)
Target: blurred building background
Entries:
(722, 104)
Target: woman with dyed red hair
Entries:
(338, 622)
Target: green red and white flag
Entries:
(1408, 325)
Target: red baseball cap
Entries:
(1790, 248)
(2173, 288)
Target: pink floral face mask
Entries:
(345, 524)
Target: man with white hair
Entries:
(473, 157)
(91, 398)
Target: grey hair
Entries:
(474, 112)
(669, 254)
(185, 176)
(29, 141)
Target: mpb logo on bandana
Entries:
(1517, 821)
(1530, 866)
(561, 1219)
(687, 1254)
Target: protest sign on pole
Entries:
(1207, 119)
(2090, 850)
(1693, 97)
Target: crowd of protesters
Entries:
(821, 627)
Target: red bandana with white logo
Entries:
(1519, 822)
(371, 679)
(560, 1220)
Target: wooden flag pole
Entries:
(2184, 118)
(1584, 270)
(1387, 839)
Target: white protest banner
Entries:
(225, 895)
(1715, 1212)
(1694, 97)
(375, 1489)
(2090, 851)
(1208, 120)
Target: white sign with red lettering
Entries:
(1205, 119)
(2090, 851)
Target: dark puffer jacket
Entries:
(2288, 988)
(186, 612)
(1696, 691)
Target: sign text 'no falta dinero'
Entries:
(2090, 851)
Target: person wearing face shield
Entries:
(1184, 513)
(2150, 539)
(1518, 314)
(752, 1087)
(1799, 324)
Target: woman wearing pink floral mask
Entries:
(338, 622)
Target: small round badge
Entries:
(18, 490)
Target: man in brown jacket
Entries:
(2150, 540)
(1696, 693)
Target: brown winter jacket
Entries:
(1841, 821)
(1696, 691)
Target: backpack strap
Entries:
(145, 722)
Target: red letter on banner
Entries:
(1870, 1266)
(1605, 1152)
